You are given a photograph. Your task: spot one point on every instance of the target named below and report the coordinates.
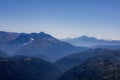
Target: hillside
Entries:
(104, 67)
(73, 60)
(96, 70)
(27, 68)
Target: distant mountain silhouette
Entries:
(90, 41)
(73, 60)
(39, 45)
(105, 66)
(27, 68)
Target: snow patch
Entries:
(31, 40)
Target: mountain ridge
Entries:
(104, 66)
(27, 68)
(90, 41)
(40, 45)
(73, 60)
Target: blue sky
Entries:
(62, 18)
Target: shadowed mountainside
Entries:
(104, 67)
(27, 68)
(73, 60)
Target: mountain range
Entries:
(40, 56)
(36, 45)
(90, 41)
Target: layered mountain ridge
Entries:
(39, 45)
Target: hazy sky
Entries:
(62, 18)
